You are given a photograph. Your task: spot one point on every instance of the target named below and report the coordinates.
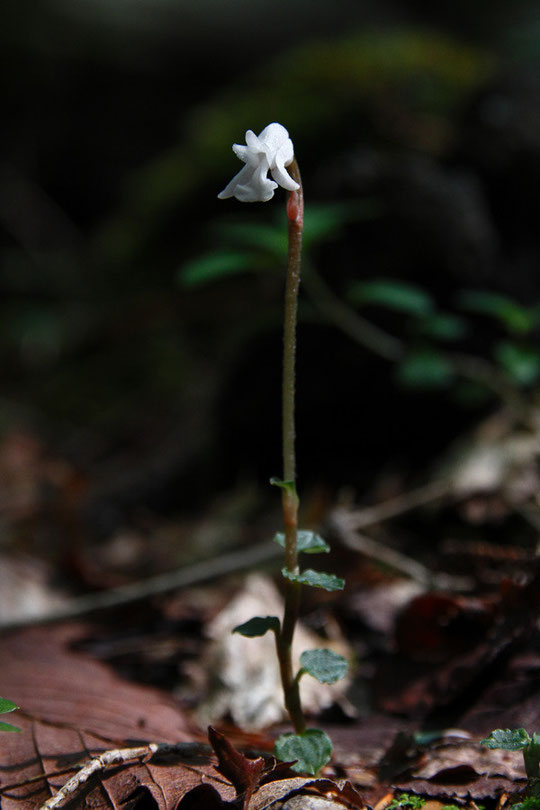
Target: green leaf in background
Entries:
(311, 750)
(256, 235)
(443, 326)
(258, 626)
(516, 318)
(520, 362)
(396, 295)
(324, 665)
(425, 368)
(307, 542)
(323, 222)
(316, 579)
(509, 739)
(212, 266)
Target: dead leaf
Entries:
(335, 794)
(242, 772)
(74, 707)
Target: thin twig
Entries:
(401, 504)
(108, 759)
(153, 586)
(346, 523)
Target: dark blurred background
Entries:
(140, 324)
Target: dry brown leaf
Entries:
(75, 707)
(335, 794)
(481, 760)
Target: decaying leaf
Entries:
(242, 772)
(337, 794)
(481, 761)
(74, 708)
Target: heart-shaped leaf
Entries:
(317, 579)
(324, 665)
(311, 750)
(307, 542)
(258, 626)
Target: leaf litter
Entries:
(76, 707)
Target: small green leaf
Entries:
(212, 266)
(259, 235)
(425, 368)
(324, 665)
(258, 626)
(443, 326)
(7, 706)
(288, 486)
(317, 579)
(311, 750)
(510, 739)
(531, 757)
(521, 362)
(8, 727)
(397, 295)
(516, 318)
(308, 542)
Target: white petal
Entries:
(253, 142)
(272, 150)
(283, 157)
(241, 152)
(284, 179)
(273, 136)
(244, 175)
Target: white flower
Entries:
(270, 151)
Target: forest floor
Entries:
(125, 643)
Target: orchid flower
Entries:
(270, 151)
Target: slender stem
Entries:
(295, 216)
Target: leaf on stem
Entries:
(258, 626)
(7, 706)
(288, 486)
(324, 665)
(307, 542)
(317, 579)
(311, 750)
(510, 739)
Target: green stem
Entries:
(295, 216)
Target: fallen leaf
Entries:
(242, 772)
(336, 794)
(74, 708)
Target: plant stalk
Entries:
(295, 217)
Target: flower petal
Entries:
(274, 136)
(272, 150)
(243, 176)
